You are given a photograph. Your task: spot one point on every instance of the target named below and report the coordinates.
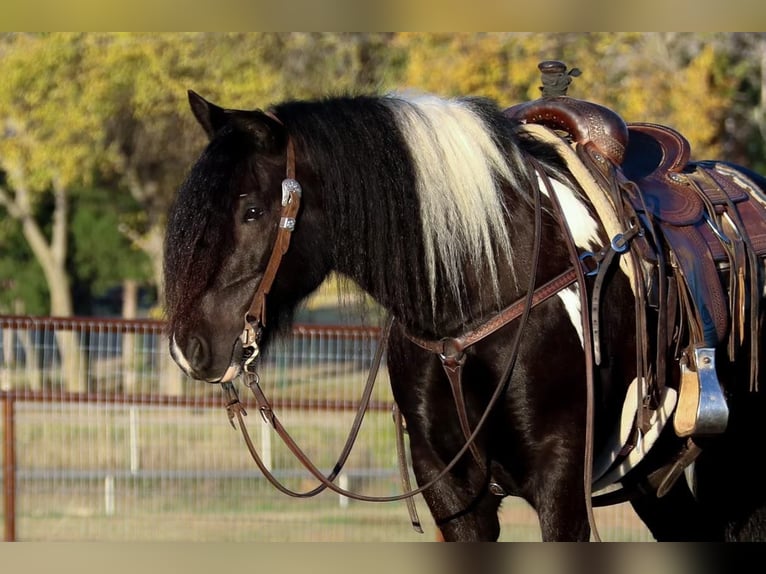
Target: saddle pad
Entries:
(605, 473)
(593, 190)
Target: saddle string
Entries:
(741, 241)
(616, 188)
(643, 363)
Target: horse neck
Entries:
(386, 229)
(388, 262)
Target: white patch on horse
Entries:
(458, 168)
(178, 356)
(690, 473)
(584, 227)
(570, 297)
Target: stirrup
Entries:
(702, 408)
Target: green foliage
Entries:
(102, 256)
(50, 136)
(697, 83)
(83, 112)
(22, 285)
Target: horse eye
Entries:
(252, 213)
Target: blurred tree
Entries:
(744, 124)
(102, 256)
(48, 144)
(696, 82)
(22, 284)
(111, 107)
(501, 66)
(139, 88)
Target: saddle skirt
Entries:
(711, 223)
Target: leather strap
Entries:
(404, 474)
(448, 346)
(291, 202)
(523, 308)
(588, 347)
(451, 350)
(236, 409)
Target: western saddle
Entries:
(698, 253)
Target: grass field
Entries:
(204, 513)
(98, 473)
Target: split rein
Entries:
(449, 350)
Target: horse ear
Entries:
(269, 133)
(210, 117)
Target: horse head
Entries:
(224, 225)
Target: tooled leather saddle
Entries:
(700, 250)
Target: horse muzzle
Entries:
(197, 360)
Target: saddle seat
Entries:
(703, 241)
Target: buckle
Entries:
(590, 256)
(452, 349)
(233, 406)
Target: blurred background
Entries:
(103, 438)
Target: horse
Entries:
(449, 212)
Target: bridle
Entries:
(255, 318)
(449, 350)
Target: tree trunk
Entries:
(32, 363)
(152, 244)
(52, 258)
(171, 377)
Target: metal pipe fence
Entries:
(104, 439)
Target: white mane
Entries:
(458, 169)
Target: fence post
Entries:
(134, 461)
(9, 467)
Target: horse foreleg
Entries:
(462, 507)
(559, 499)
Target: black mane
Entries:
(199, 230)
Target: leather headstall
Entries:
(255, 318)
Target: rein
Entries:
(449, 350)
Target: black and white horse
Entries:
(429, 205)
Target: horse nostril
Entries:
(197, 353)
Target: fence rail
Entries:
(104, 439)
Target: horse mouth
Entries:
(236, 364)
(232, 371)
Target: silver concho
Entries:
(289, 186)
